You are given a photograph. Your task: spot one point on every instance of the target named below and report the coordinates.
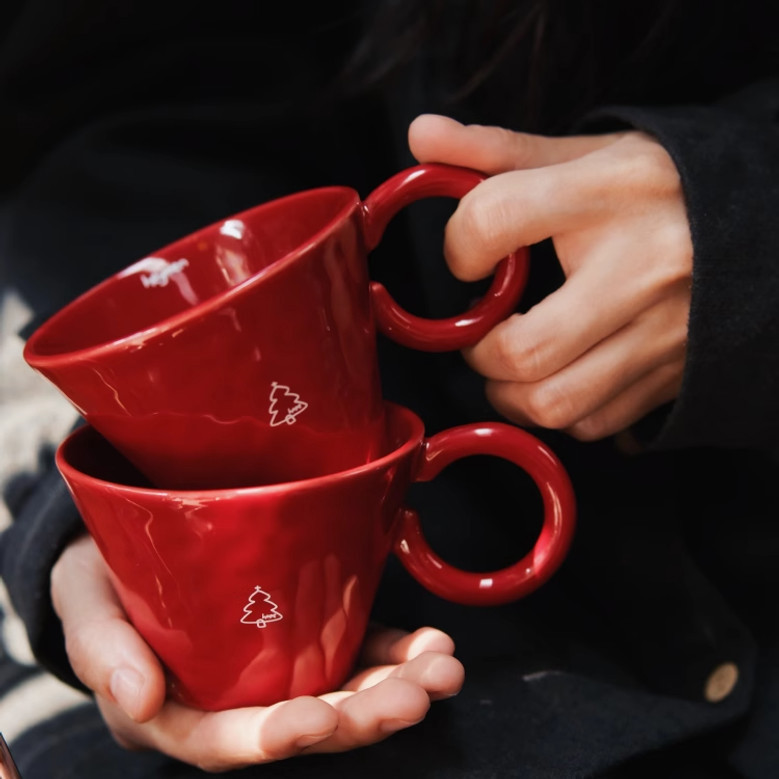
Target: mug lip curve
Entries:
(395, 413)
(38, 359)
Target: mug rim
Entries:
(396, 414)
(38, 359)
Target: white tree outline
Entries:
(289, 414)
(249, 615)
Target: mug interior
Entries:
(86, 456)
(185, 277)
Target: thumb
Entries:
(492, 150)
(105, 651)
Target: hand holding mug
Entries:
(400, 675)
(609, 345)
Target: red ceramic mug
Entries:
(246, 352)
(254, 595)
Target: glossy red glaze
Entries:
(245, 353)
(455, 332)
(250, 596)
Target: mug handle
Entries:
(437, 335)
(537, 566)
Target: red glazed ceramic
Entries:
(254, 595)
(245, 353)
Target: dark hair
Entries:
(539, 64)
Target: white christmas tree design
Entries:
(260, 614)
(285, 405)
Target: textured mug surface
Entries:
(246, 352)
(254, 595)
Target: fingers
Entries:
(440, 676)
(516, 209)
(544, 187)
(374, 704)
(578, 350)
(616, 285)
(493, 150)
(608, 343)
(374, 713)
(537, 194)
(571, 321)
(105, 651)
(575, 202)
(424, 657)
(567, 323)
(607, 389)
(415, 669)
(219, 741)
(389, 645)
(616, 415)
(657, 388)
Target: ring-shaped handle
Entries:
(448, 334)
(537, 566)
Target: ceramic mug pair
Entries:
(240, 471)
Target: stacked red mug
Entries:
(239, 469)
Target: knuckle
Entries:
(476, 216)
(548, 407)
(628, 173)
(476, 229)
(84, 645)
(636, 170)
(502, 149)
(80, 648)
(592, 428)
(641, 163)
(668, 291)
(519, 356)
(519, 146)
(77, 646)
(675, 249)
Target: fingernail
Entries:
(126, 686)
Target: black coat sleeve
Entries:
(728, 159)
(45, 520)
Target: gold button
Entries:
(721, 682)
